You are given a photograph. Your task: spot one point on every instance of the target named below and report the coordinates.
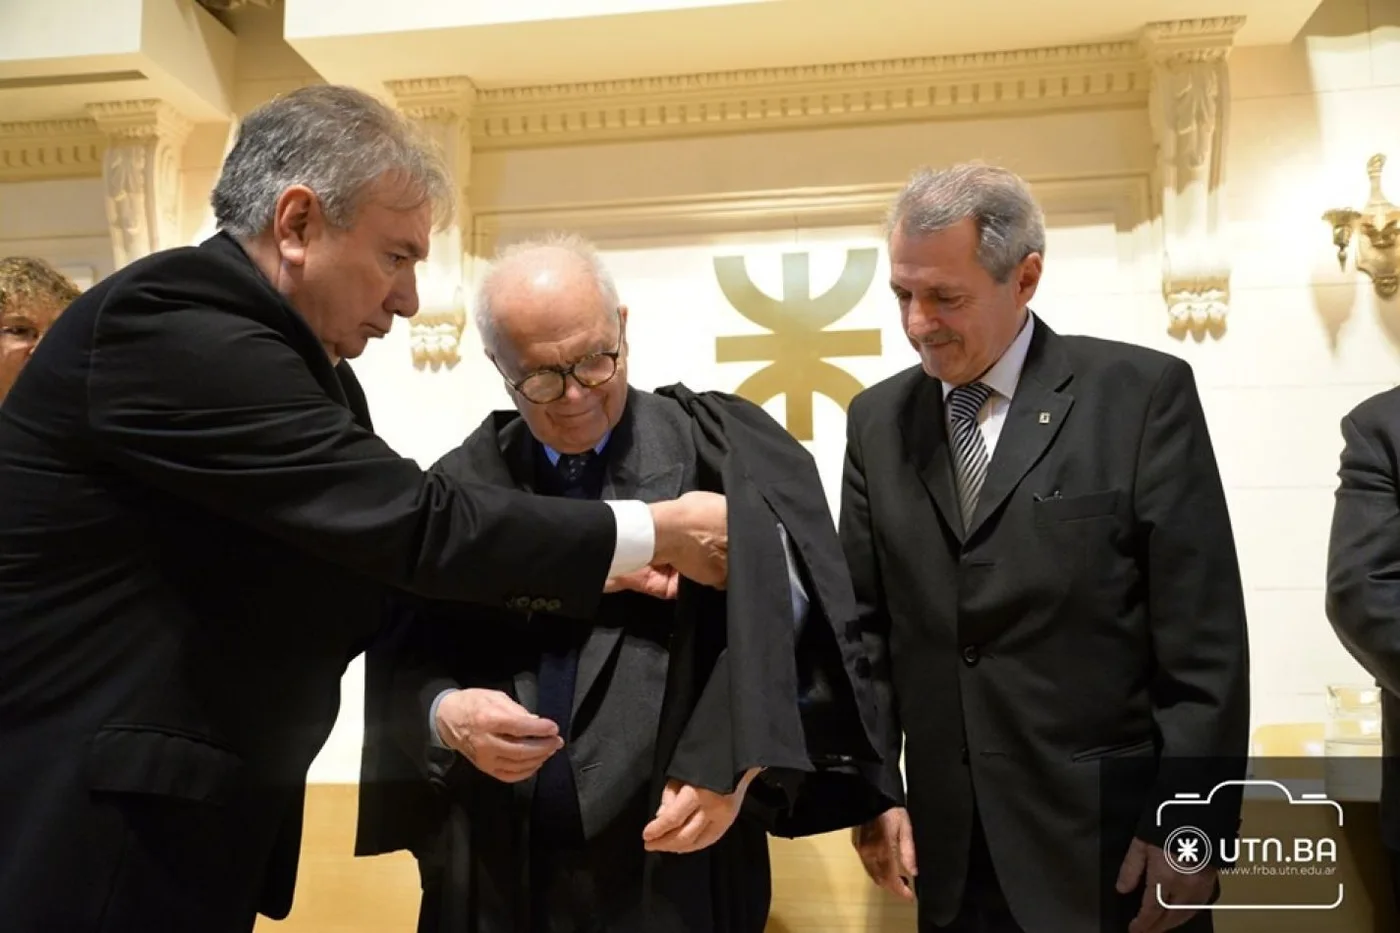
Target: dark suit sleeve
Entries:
(217, 409)
(1200, 686)
(1363, 557)
(858, 542)
(417, 655)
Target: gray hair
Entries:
(335, 140)
(1010, 225)
(515, 256)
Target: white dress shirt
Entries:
(1002, 378)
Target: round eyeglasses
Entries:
(548, 385)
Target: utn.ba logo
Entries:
(1303, 860)
(1188, 850)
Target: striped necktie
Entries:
(969, 449)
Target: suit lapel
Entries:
(516, 445)
(1037, 413)
(641, 466)
(927, 440)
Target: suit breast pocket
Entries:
(1060, 509)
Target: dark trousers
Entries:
(984, 907)
(985, 910)
(174, 870)
(565, 895)
(592, 887)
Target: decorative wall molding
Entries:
(50, 149)
(141, 173)
(1189, 108)
(1123, 199)
(1109, 74)
(442, 107)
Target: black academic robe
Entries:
(740, 692)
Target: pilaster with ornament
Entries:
(141, 174)
(442, 107)
(1188, 103)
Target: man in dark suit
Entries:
(198, 524)
(1044, 566)
(540, 743)
(1363, 591)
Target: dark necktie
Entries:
(969, 448)
(556, 810)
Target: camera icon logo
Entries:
(1187, 850)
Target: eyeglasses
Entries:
(548, 385)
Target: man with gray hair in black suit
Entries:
(198, 525)
(1047, 580)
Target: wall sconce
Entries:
(1377, 253)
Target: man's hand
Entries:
(886, 849)
(692, 537)
(661, 582)
(1177, 888)
(691, 818)
(496, 734)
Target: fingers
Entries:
(497, 735)
(908, 861)
(501, 715)
(509, 759)
(660, 581)
(886, 849)
(881, 865)
(520, 751)
(678, 804)
(1175, 918)
(1130, 872)
(510, 773)
(695, 834)
(1151, 913)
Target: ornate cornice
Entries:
(139, 119)
(434, 98)
(1191, 39)
(895, 90)
(48, 149)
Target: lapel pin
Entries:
(1045, 417)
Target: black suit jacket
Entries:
(1363, 589)
(195, 530)
(1076, 658)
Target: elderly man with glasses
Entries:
(547, 745)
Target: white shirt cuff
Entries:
(636, 536)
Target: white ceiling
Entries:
(361, 42)
(50, 66)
